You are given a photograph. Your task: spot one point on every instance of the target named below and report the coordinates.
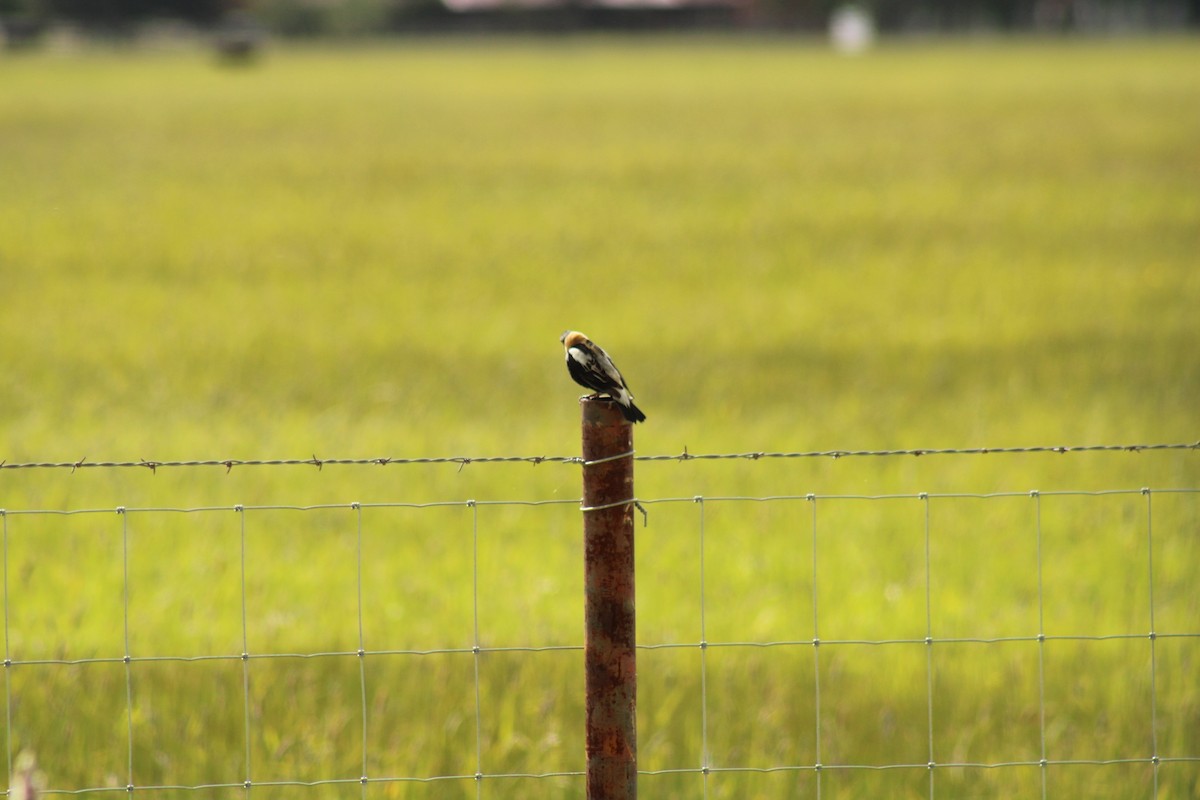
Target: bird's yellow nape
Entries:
(572, 338)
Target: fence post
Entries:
(610, 657)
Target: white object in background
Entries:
(851, 29)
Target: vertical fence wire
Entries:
(124, 514)
(362, 647)
(241, 515)
(816, 631)
(475, 649)
(1041, 642)
(924, 497)
(1153, 639)
(705, 764)
(7, 661)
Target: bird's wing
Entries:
(606, 365)
(593, 368)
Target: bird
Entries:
(591, 367)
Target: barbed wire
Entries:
(461, 461)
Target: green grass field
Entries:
(372, 252)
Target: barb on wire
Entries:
(463, 461)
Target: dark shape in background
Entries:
(23, 20)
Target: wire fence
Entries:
(462, 461)
(1166, 749)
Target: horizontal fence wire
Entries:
(462, 461)
(706, 768)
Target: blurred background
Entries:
(26, 20)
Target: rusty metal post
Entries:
(610, 657)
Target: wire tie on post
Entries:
(606, 459)
(632, 500)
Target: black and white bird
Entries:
(591, 367)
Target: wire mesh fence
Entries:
(803, 644)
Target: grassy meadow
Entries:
(371, 252)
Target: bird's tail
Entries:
(632, 412)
